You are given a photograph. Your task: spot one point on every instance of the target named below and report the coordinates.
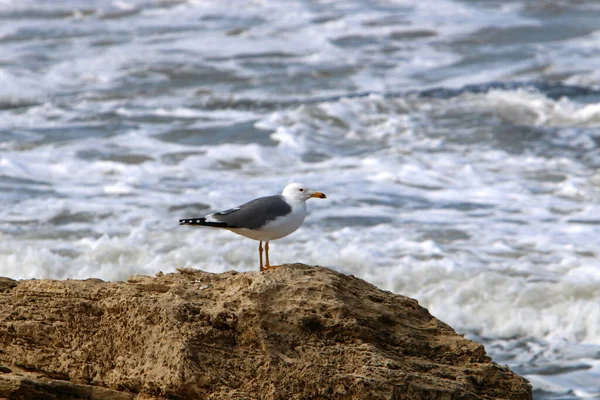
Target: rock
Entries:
(7, 284)
(22, 387)
(296, 332)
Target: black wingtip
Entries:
(204, 222)
(191, 221)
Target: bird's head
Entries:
(299, 192)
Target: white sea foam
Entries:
(531, 108)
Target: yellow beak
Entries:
(318, 195)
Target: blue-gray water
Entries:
(457, 142)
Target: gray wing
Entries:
(253, 214)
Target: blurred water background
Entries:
(457, 142)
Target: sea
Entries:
(457, 143)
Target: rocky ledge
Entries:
(296, 332)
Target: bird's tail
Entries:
(201, 221)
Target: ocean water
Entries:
(457, 142)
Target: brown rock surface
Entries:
(296, 332)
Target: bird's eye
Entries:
(302, 190)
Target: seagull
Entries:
(263, 219)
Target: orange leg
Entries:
(267, 265)
(260, 249)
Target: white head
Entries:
(299, 192)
